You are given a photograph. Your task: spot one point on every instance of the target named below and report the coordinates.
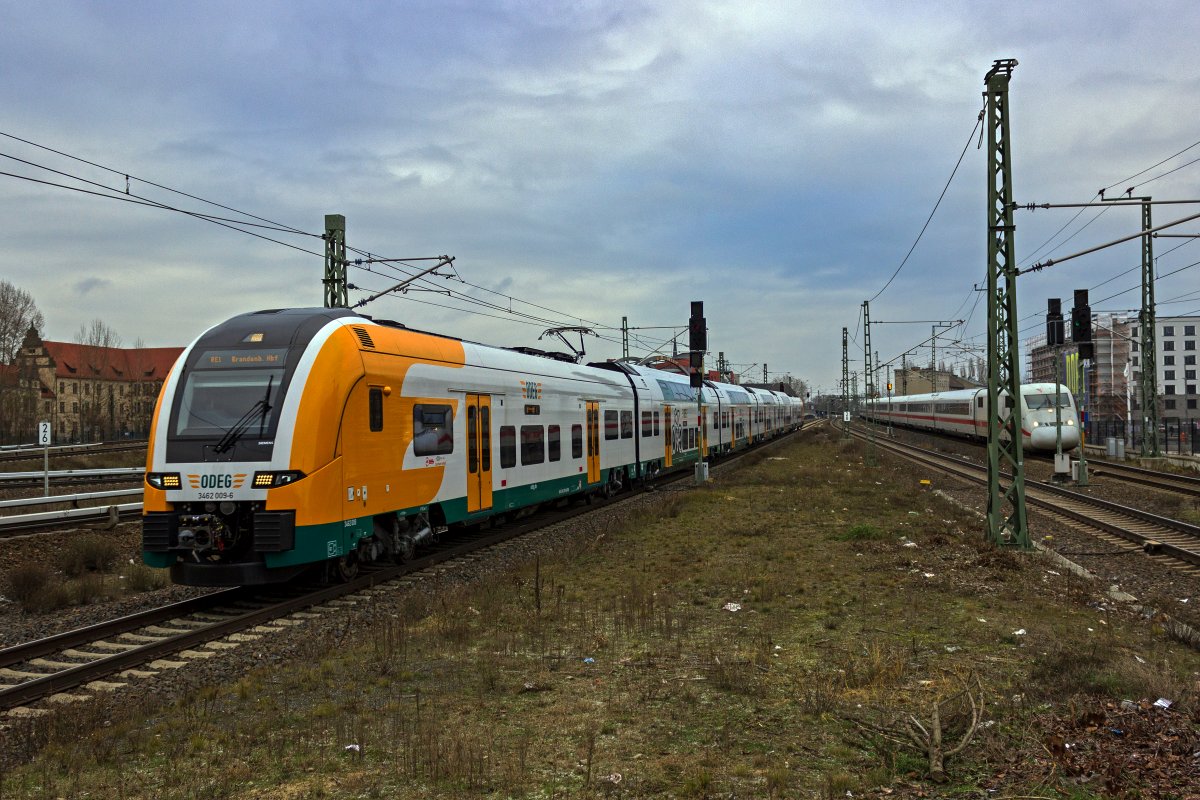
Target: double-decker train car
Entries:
(294, 437)
(965, 413)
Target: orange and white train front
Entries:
(245, 481)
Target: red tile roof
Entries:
(111, 363)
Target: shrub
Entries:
(23, 584)
(861, 532)
(141, 578)
(89, 553)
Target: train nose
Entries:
(1043, 438)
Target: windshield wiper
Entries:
(260, 407)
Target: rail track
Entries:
(1173, 542)
(32, 452)
(138, 646)
(1156, 479)
(1165, 481)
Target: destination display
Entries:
(240, 359)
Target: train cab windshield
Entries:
(230, 398)
(1038, 401)
(214, 401)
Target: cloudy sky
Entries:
(584, 161)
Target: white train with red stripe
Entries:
(965, 413)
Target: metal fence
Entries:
(1175, 435)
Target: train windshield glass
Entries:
(1037, 402)
(215, 400)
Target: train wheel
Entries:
(345, 569)
(406, 548)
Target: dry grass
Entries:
(729, 643)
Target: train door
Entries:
(479, 452)
(703, 423)
(668, 436)
(593, 442)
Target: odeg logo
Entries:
(216, 481)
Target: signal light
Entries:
(268, 480)
(697, 328)
(164, 480)
(1081, 318)
(1054, 321)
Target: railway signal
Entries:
(1054, 322)
(697, 342)
(1081, 324)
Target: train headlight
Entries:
(1034, 424)
(1070, 422)
(164, 480)
(269, 480)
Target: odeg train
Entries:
(289, 438)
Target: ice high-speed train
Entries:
(964, 412)
(294, 437)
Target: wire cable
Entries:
(129, 176)
(953, 172)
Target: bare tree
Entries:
(18, 313)
(98, 380)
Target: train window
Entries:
(533, 444)
(716, 421)
(508, 446)
(554, 443)
(626, 424)
(433, 429)
(656, 423)
(576, 441)
(485, 437)
(472, 437)
(647, 424)
(215, 399)
(979, 401)
(375, 408)
(611, 431)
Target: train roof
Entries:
(969, 394)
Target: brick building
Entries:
(87, 393)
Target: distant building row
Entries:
(87, 393)
(1116, 367)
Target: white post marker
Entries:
(44, 441)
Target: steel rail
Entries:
(14, 522)
(110, 472)
(1167, 481)
(1083, 503)
(74, 499)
